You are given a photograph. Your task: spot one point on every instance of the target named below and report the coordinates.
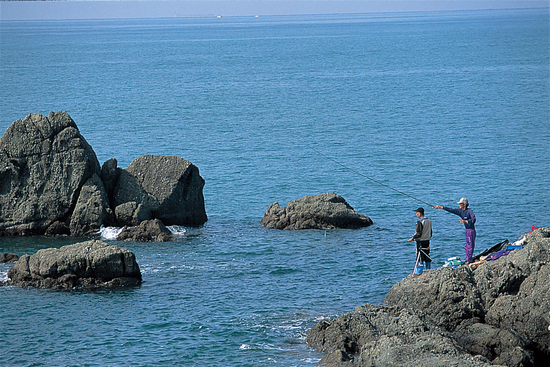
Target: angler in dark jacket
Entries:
(423, 234)
(468, 218)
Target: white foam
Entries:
(109, 233)
(177, 231)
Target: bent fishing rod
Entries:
(369, 178)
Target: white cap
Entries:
(463, 201)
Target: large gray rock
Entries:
(449, 296)
(51, 183)
(168, 188)
(324, 211)
(44, 163)
(87, 264)
(91, 208)
(523, 304)
(500, 346)
(499, 313)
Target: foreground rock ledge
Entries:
(90, 264)
(497, 315)
(324, 211)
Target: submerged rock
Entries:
(498, 314)
(149, 230)
(8, 258)
(89, 264)
(324, 211)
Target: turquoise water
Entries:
(436, 105)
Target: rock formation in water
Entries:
(89, 264)
(148, 230)
(8, 258)
(498, 314)
(324, 211)
(51, 183)
(166, 188)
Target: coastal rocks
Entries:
(51, 183)
(44, 162)
(149, 230)
(8, 258)
(324, 211)
(387, 336)
(498, 314)
(449, 296)
(167, 188)
(89, 264)
(523, 303)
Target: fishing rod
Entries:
(369, 178)
(356, 247)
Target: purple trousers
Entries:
(470, 243)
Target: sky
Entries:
(34, 10)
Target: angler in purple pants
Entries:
(468, 218)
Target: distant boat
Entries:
(219, 16)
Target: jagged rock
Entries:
(170, 188)
(8, 258)
(51, 183)
(516, 291)
(109, 175)
(58, 228)
(449, 296)
(499, 313)
(89, 264)
(149, 230)
(92, 207)
(324, 211)
(132, 213)
(500, 346)
(337, 358)
(44, 162)
(387, 336)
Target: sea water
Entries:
(412, 109)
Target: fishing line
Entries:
(375, 245)
(369, 178)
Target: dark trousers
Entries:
(425, 247)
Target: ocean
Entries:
(392, 111)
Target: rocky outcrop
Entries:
(51, 183)
(148, 230)
(166, 188)
(498, 314)
(44, 163)
(90, 264)
(387, 336)
(8, 258)
(324, 211)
